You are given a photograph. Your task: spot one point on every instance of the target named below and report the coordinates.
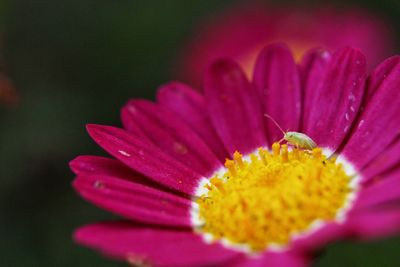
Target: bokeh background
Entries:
(78, 61)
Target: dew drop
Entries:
(360, 124)
(98, 184)
(124, 153)
(351, 97)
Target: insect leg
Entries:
(280, 141)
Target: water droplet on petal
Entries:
(124, 153)
(98, 184)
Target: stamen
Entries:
(217, 183)
(285, 156)
(317, 152)
(262, 154)
(253, 158)
(238, 159)
(276, 149)
(295, 153)
(230, 165)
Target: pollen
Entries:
(268, 197)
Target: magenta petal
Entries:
(191, 107)
(273, 259)
(95, 165)
(87, 165)
(387, 159)
(145, 158)
(380, 190)
(378, 126)
(133, 127)
(171, 134)
(133, 200)
(379, 75)
(334, 105)
(374, 224)
(157, 247)
(321, 237)
(234, 107)
(312, 72)
(278, 83)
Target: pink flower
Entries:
(185, 205)
(241, 32)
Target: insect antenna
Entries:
(274, 121)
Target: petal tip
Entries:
(224, 71)
(93, 128)
(81, 234)
(75, 164)
(101, 132)
(320, 53)
(277, 46)
(171, 90)
(353, 53)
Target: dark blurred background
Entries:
(78, 61)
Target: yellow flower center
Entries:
(268, 198)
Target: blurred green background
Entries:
(76, 62)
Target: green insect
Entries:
(296, 139)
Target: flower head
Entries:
(203, 179)
(241, 32)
